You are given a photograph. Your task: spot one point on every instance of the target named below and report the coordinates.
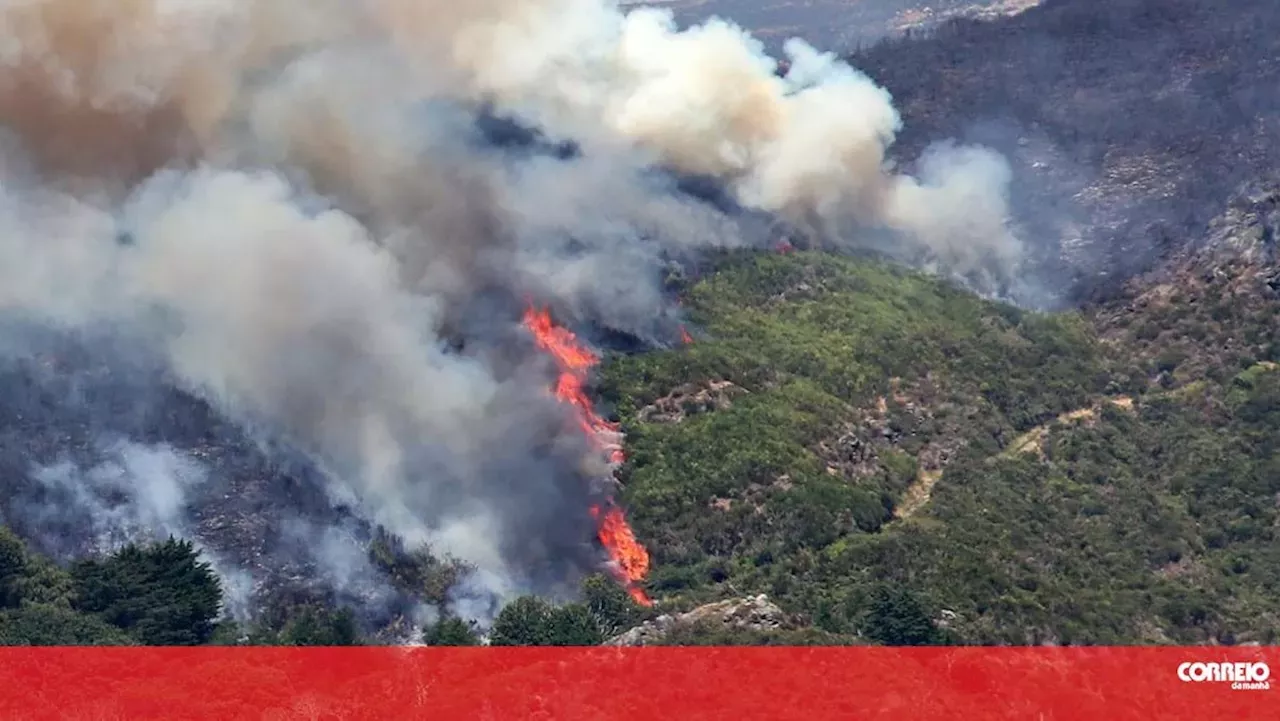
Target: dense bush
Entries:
(158, 595)
(531, 621)
(45, 625)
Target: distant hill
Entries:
(1130, 123)
(834, 24)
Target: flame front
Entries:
(628, 555)
(630, 559)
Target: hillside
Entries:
(889, 460)
(835, 24)
(345, 359)
(1129, 124)
(843, 430)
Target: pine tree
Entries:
(162, 595)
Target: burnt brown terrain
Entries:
(1130, 123)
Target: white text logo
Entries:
(1242, 676)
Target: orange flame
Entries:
(630, 559)
(684, 336)
(628, 555)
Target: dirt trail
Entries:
(1033, 440)
(918, 494)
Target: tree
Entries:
(523, 622)
(38, 624)
(897, 618)
(610, 605)
(162, 594)
(451, 631)
(13, 566)
(29, 578)
(573, 625)
(314, 626)
(531, 621)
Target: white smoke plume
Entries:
(288, 202)
(136, 493)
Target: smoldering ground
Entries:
(286, 216)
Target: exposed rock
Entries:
(721, 504)
(757, 613)
(1242, 238)
(923, 18)
(691, 399)
(1182, 320)
(1246, 232)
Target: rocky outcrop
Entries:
(755, 613)
(1247, 231)
(690, 399)
(1212, 309)
(1237, 254)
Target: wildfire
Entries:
(628, 555)
(630, 559)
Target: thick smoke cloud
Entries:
(291, 205)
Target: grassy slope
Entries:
(867, 385)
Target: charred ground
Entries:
(1130, 123)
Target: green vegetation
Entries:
(904, 463)
(158, 595)
(531, 621)
(161, 595)
(712, 634)
(605, 610)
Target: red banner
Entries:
(974, 684)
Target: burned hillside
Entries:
(1130, 123)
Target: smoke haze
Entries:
(290, 211)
